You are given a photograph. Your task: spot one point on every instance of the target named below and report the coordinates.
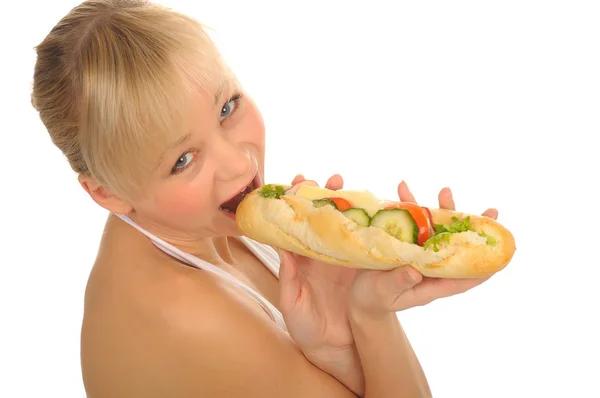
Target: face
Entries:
(197, 183)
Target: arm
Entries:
(381, 357)
(390, 366)
(221, 348)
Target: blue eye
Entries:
(230, 106)
(183, 162)
(227, 109)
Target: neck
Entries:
(215, 250)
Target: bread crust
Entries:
(323, 233)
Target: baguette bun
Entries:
(291, 222)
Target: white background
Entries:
(498, 100)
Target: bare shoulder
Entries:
(179, 332)
(202, 340)
(231, 351)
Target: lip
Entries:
(227, 214)
(256, 183)
(257, 180)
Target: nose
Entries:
(232, 160)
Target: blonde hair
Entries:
(112, 83)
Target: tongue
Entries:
(232, 204)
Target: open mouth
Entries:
(232, 204)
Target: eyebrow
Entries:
(224, 84)
(175, 144)
(179, 141)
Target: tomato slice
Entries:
(419, 215)
(429, 218)
(341, 203)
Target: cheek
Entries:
(182, 201)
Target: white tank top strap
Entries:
(266, 254)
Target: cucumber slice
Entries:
(323, 202)
(398, 223)
(359, 216)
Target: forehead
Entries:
(136, 97)
(167, 106)
(203, 104)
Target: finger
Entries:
(445, 199)
(289, 282)
(297, 186)
(335, 182)
(308, 182)
(491, 213)
(404, 193)
(393, 284)
(288, 266)
(299, 178)
(431, 289)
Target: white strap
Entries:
(204, 265)
(266, 254)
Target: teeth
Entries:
(238, 198)
(246, 190)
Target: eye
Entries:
(183, 162)
(229, 107)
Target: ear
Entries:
(103, 196)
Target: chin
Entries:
(229, 227)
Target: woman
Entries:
(162, 135)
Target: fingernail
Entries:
(411, 277)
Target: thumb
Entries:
(396, 282)
(289, 282)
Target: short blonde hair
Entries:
(112, 83)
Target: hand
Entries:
(381, 292)
(316, 298)
(313, 301)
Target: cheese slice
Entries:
(361, 199)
